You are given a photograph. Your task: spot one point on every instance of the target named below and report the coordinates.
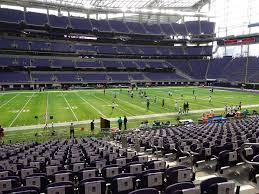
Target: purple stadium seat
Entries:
(94, 77)
(207, 27)
(81, 24)
(14, 77)
(193, 27)
(136, 28)
(42, 77)
(112, 64)
(167, 29)
(101, 25)
(11, 16)
(119, 26)
(61, 22)
(179, 29)
(89, 64)
(119, 77)
(36, 19)
(6, 43)
(63, 63)
(153, 29)
(41, 62)
(40, 46)
(105, 49)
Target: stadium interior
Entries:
(68, 66)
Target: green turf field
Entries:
(19, 108)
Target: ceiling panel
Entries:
(125, 3)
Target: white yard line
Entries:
(137, 106)
(47, 110)
(9, 100)
(21, 110)
(64, 124)
(70, 107)
(90, 105)
(116, 107)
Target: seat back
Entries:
(145, 191)
(92, 186)
(222, 188)
(60, 188)
(123, 183)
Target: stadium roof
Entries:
(176, 4)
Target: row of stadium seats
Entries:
(81, 77)
(220, 141)
(26, 61)
(85, 166)
(45, 46)
(226, 68)
(90, 25)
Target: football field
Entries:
(20, 108)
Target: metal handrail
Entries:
(191, 152)
(242, 155)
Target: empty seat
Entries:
(36, 19)
(179, 187)
(152, 179)
(11, 16)
(118, 26)
(156, 164)
(145, 191)
(81, 24)
(60, 188)
(61, 22)
(110, 171)
(38, 180)
(217, 185)
(9, 183)
(93, 185)
(178, 174)
(64, 175)
(25, 190)
(123, 184)
(87, 173)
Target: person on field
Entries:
(113, 106)
(148, 103)
(163, 102)
(120, 123)
(125, 120)
(92, 126)
(1, 133)
(176, 105)
(210, 98)
(72, 131)
(184, 107)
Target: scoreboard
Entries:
(238, 41)
(248, 40)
